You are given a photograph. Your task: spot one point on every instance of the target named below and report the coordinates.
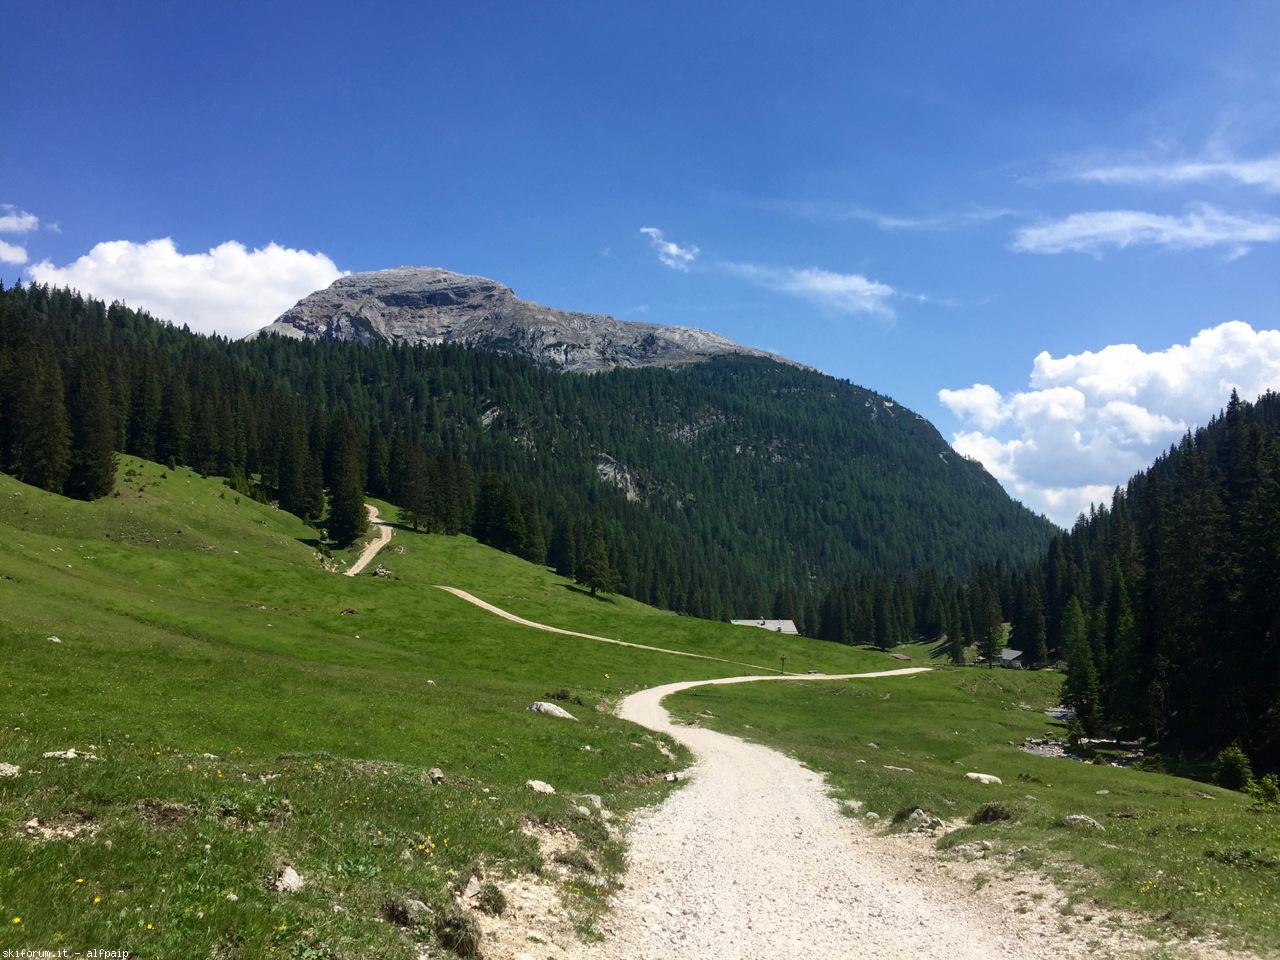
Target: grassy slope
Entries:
(191, 623)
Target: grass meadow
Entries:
(248, 710)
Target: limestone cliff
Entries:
(425, 305)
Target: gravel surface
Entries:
(753, 859)
(385, 530)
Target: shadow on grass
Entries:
(574, 588)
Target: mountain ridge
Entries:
(429, 306)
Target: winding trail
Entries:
(754, 860)
(385, 532)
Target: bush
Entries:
(491, 900)
(992, 813)
(458, 931)
(1232, 768)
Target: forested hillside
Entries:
(1166, 604)
(733, 487)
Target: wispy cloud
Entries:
(230, 290)
(1203, 225)
(1089, 421)
(672, 254)
(955, 220)
(1263, 172)
(847, 293)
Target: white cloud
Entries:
(955, 220)
(672, 254)
(12, 253)
(1202, 226)
(1264, 172)
(229, 290)
(1090, 421)
(13, 220)
(837, 292)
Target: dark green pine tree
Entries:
(955, 632)
(413, 490)
(348, 519)
(594, 571)
(93, 457)
(43, 452)
(1080, 686)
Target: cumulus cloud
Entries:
(1263, 172)
(230, 290)
(12, 253)
(13, 220)
(848, 293)
(1202, 226)
(672, 254)
(1090, 421)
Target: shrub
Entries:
(1232, 769)
(992, 813)
(458, 931)
(491, 900)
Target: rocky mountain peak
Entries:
(426, 305)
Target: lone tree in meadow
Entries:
(594, 571)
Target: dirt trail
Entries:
(385, 532)
(753, 860)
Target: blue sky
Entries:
(972, 208)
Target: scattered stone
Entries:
(874, 745)
(472, 889)
(382, 572)
(872, 815)
(551, 709)
(602, 706)
(1103, 793)
(672, 777)
(984, 778)
(582, 810)
(66, 827)
(899, 769)
(594, 799)
(54, 640)
(210, 756)
(9, 770)
(286, 880)
(538, 786)
(431, 683)
(436, 775)
(349, 612)
(1081, 820)
(69, 754)
(233, 898)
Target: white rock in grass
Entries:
(984, 778)
(9, 770)
(1081, 820)
(288, 880)
(537, 786)
(551, 710)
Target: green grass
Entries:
(192, 622)
(1186, 856)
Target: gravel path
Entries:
(753, 860)
(385, 530)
